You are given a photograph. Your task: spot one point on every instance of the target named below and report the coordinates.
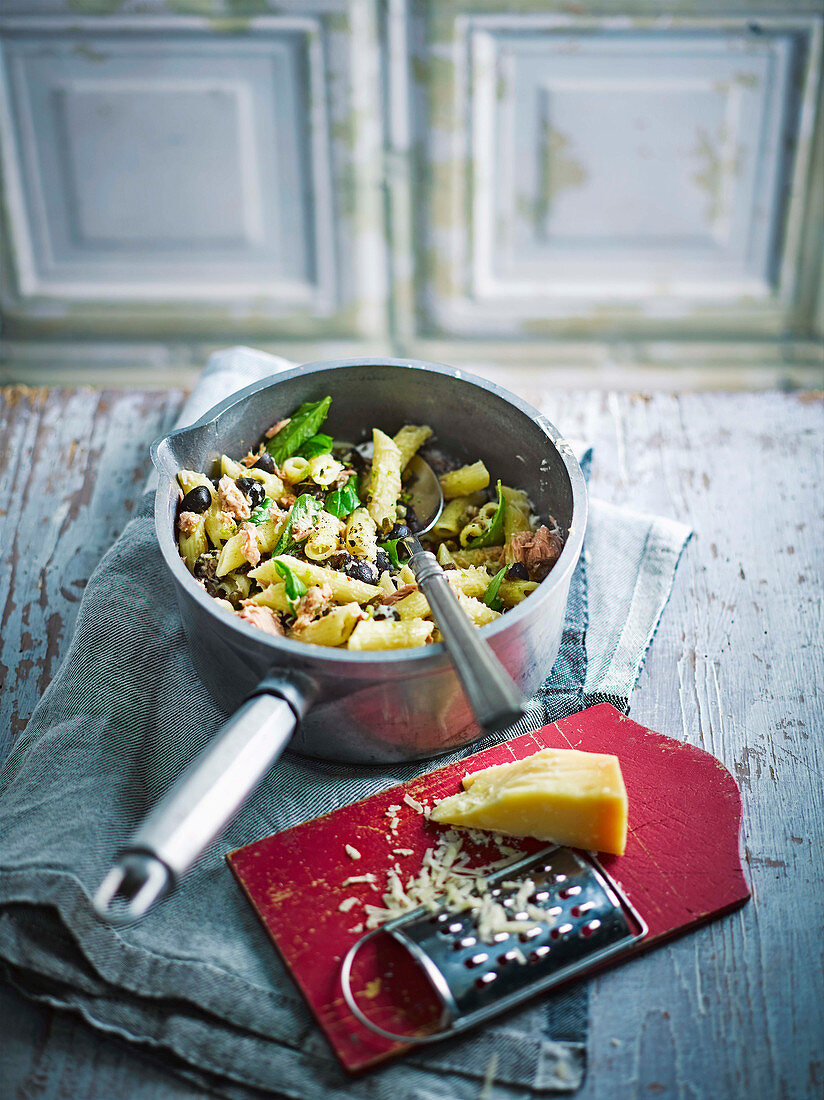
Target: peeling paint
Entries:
(714, 167)
(560, 171)
(193, 7)
(237, 25)
(83, 49)
(94, 7)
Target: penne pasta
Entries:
(219, 525)
(480, 524)
(385, 484)
(190, 479)
(274, 596)
(295, 469)
(478, 612)
(334, 628)
(413, 606)
(470, 581)
(323, 469)
(410, 439)
(193, 543)
(389, 634)
(465, 480)
(456, 513)
(324, 539)
(361, 537)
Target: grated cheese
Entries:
(347, 904)
(352, 852)
(403, 851)
(445, 874)
(418, 807)
(359, 878)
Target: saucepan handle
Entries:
(201, 803)
(495, 699)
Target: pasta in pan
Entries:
(300, 537)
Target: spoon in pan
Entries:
(495, 699)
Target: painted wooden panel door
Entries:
(170, 171)
(578, 174)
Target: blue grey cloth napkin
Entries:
(197, 984)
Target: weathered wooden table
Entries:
(736, 1009)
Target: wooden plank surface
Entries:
(736, 668)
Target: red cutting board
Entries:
(681, 868)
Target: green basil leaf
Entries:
(490, 597)
(305, 507)
(390, 547)
(261, 513)
(342, 502)
(494, 534)
(295, 588)
(302, 426)
(320, 444)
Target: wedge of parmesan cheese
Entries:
(561, 795)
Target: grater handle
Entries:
(360, 1015)
(495, 699)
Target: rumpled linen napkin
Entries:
(197, 983)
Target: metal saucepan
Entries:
(338, 705)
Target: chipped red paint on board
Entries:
(681, 867)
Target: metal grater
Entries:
(587, 919)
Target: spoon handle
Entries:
(495, 700)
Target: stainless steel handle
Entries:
(204, 799)
(495, 700)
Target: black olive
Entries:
(339, 560)
(399, 531)
(356, 460)
(382, 561)
(265, 463)
(206, 564)
(361, 571)
(251, 489)
(196, 500)
(412, 521)
(384, 611)
(518, 572)
(309, 488)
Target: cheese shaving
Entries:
(347, 904)
(418, 807)
(445, 874)
(360, 878)
(352, 852)
(403, 851)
